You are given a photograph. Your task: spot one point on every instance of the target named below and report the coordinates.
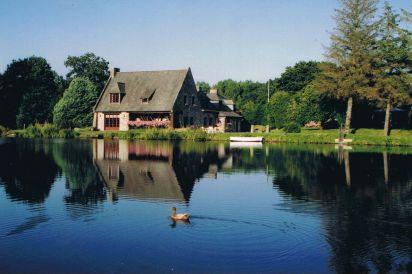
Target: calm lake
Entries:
(103, 206)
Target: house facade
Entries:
(167, 99)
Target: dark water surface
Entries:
(95, 206)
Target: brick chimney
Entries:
(113, 72)
(213, 91)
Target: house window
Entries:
(205, 121)
(184, 100)
(191, 121)
(114, 97)
(193, 100)
(111, 122)
(114, 172)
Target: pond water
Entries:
(103, 206)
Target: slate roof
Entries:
(163, 87)
(222, 109)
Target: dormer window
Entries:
(147, 95)
(114, 98)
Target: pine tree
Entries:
(394, 63)
(352, 74)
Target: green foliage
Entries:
(75, 108)
(32, 131)
(351, 73)
(278, 109)
(28, 92)
(309, 106)
(3, 130)
(250, 98)
(68, 134)
(295, 78)
(48, 130)
(394, 60)
(203, 86)
(90, 66)
(291, 127)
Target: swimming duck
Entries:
(182, 216)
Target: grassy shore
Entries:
(360, 136)
(306, 136)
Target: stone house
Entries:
(167, 98)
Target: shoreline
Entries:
(360, 137)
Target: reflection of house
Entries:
(160, 99)
(133, 169)
(159, 170)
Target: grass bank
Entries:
(360, 136)
(306, 136)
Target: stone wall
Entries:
(124, 121)
(100, 120)
(187, 105)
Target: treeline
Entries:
(31, 92)
(368, 68)
(369, 65)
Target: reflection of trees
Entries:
(27, 170)
(75, 158)
(368, 222)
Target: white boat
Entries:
(246, 139)
(246, 145)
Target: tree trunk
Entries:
(348, 115)
(347, 167)
(387, 118)
(385, 167)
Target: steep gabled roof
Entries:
(207, 104)
(163, 86)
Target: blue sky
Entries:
(242, 40)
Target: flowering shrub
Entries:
(313, 124)
(152, 123)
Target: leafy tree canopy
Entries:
(203, 86)
(88, 65)
(75, 107)
(296, 78)
(28, 91)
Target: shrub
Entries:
(194, 135)
(3, 131)
(48, 130)
(68, 134)
(32, 131)
(292, 128)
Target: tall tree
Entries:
(352, 52)
(88, 65)
(28, 92)
(75, 107)
(394, 62)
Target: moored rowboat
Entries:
(246, 139)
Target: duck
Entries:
(181, 216)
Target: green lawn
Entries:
(311, 136)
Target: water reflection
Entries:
(362, 199)
(27, 171)
(153, 170)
